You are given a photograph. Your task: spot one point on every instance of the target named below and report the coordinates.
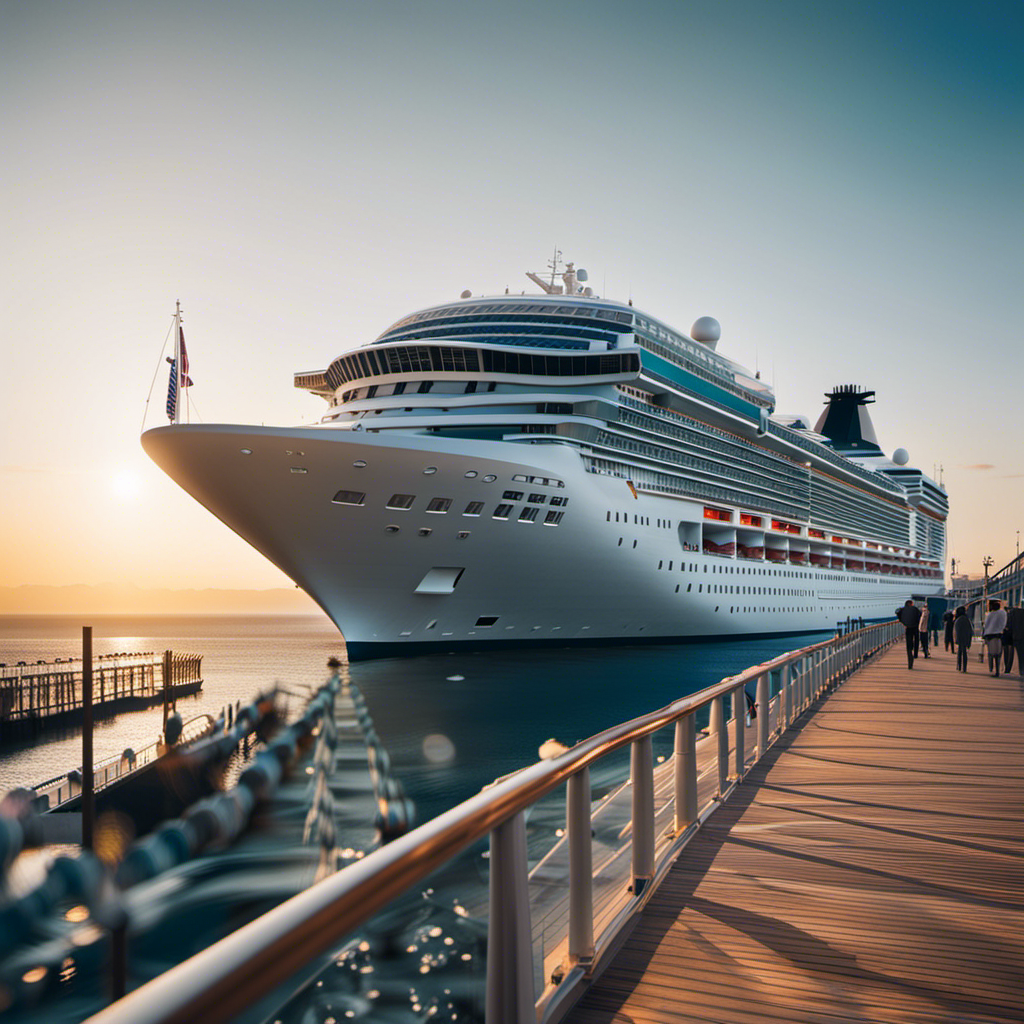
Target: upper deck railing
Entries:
(581, 920)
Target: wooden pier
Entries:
(869, 868)
(50, 693)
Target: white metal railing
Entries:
(68, 786)
(236, 972)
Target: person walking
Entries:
(1007, 641)
(910, 616)
(947, 623)
(991, 634)
(922, 629)
(1015, 619)
(963, 631)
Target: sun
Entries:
(126, 485)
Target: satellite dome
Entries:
(467, 294)
(901, 456)
(706, 329)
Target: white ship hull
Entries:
(614, 569)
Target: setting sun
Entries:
(126, 485)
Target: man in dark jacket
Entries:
(1015, 623)
(910, 616)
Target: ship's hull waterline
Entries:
(614, 569)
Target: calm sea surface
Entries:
(495, 709)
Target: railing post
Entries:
(762, 714)
(88, 794)
(510, 994)
(739, 717)
(717, 726)
(685, 772)
(641, 773)
(785, 697)
(581, 899)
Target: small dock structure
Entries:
(50, 693)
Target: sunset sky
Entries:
(839, 183)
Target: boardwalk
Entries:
(871, 869)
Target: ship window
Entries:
(528, 515)
(471, 387)
(487, 620)
(513, 495)
(439, 504)
(474, 508)
(502, 511)
(425, 386)
(371, 391)
(537, 499)
(559, 500)
(399, 388)
(462, 534)
(401, 501)
(425, 531)
(349, 498)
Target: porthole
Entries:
(430, 470)
(391, 529)
(359, 463)
(425, 531)
(490, 478)
(470, 475)
(245, 451)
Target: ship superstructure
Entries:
(563, 468)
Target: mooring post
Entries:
(88, 801)
(167, 687)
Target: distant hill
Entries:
(125, 599)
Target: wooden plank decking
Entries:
(871, 868)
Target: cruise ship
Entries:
(557, 469)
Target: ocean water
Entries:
(489, 712)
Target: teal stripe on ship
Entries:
(698, 386)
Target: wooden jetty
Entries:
(50, 693)
(868, 868)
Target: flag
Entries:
(186, 380)
(172, 391)
(632, 489)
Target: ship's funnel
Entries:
(845, 421)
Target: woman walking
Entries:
(992, 634)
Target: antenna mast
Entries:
(553, 264)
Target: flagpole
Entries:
(177, 360)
